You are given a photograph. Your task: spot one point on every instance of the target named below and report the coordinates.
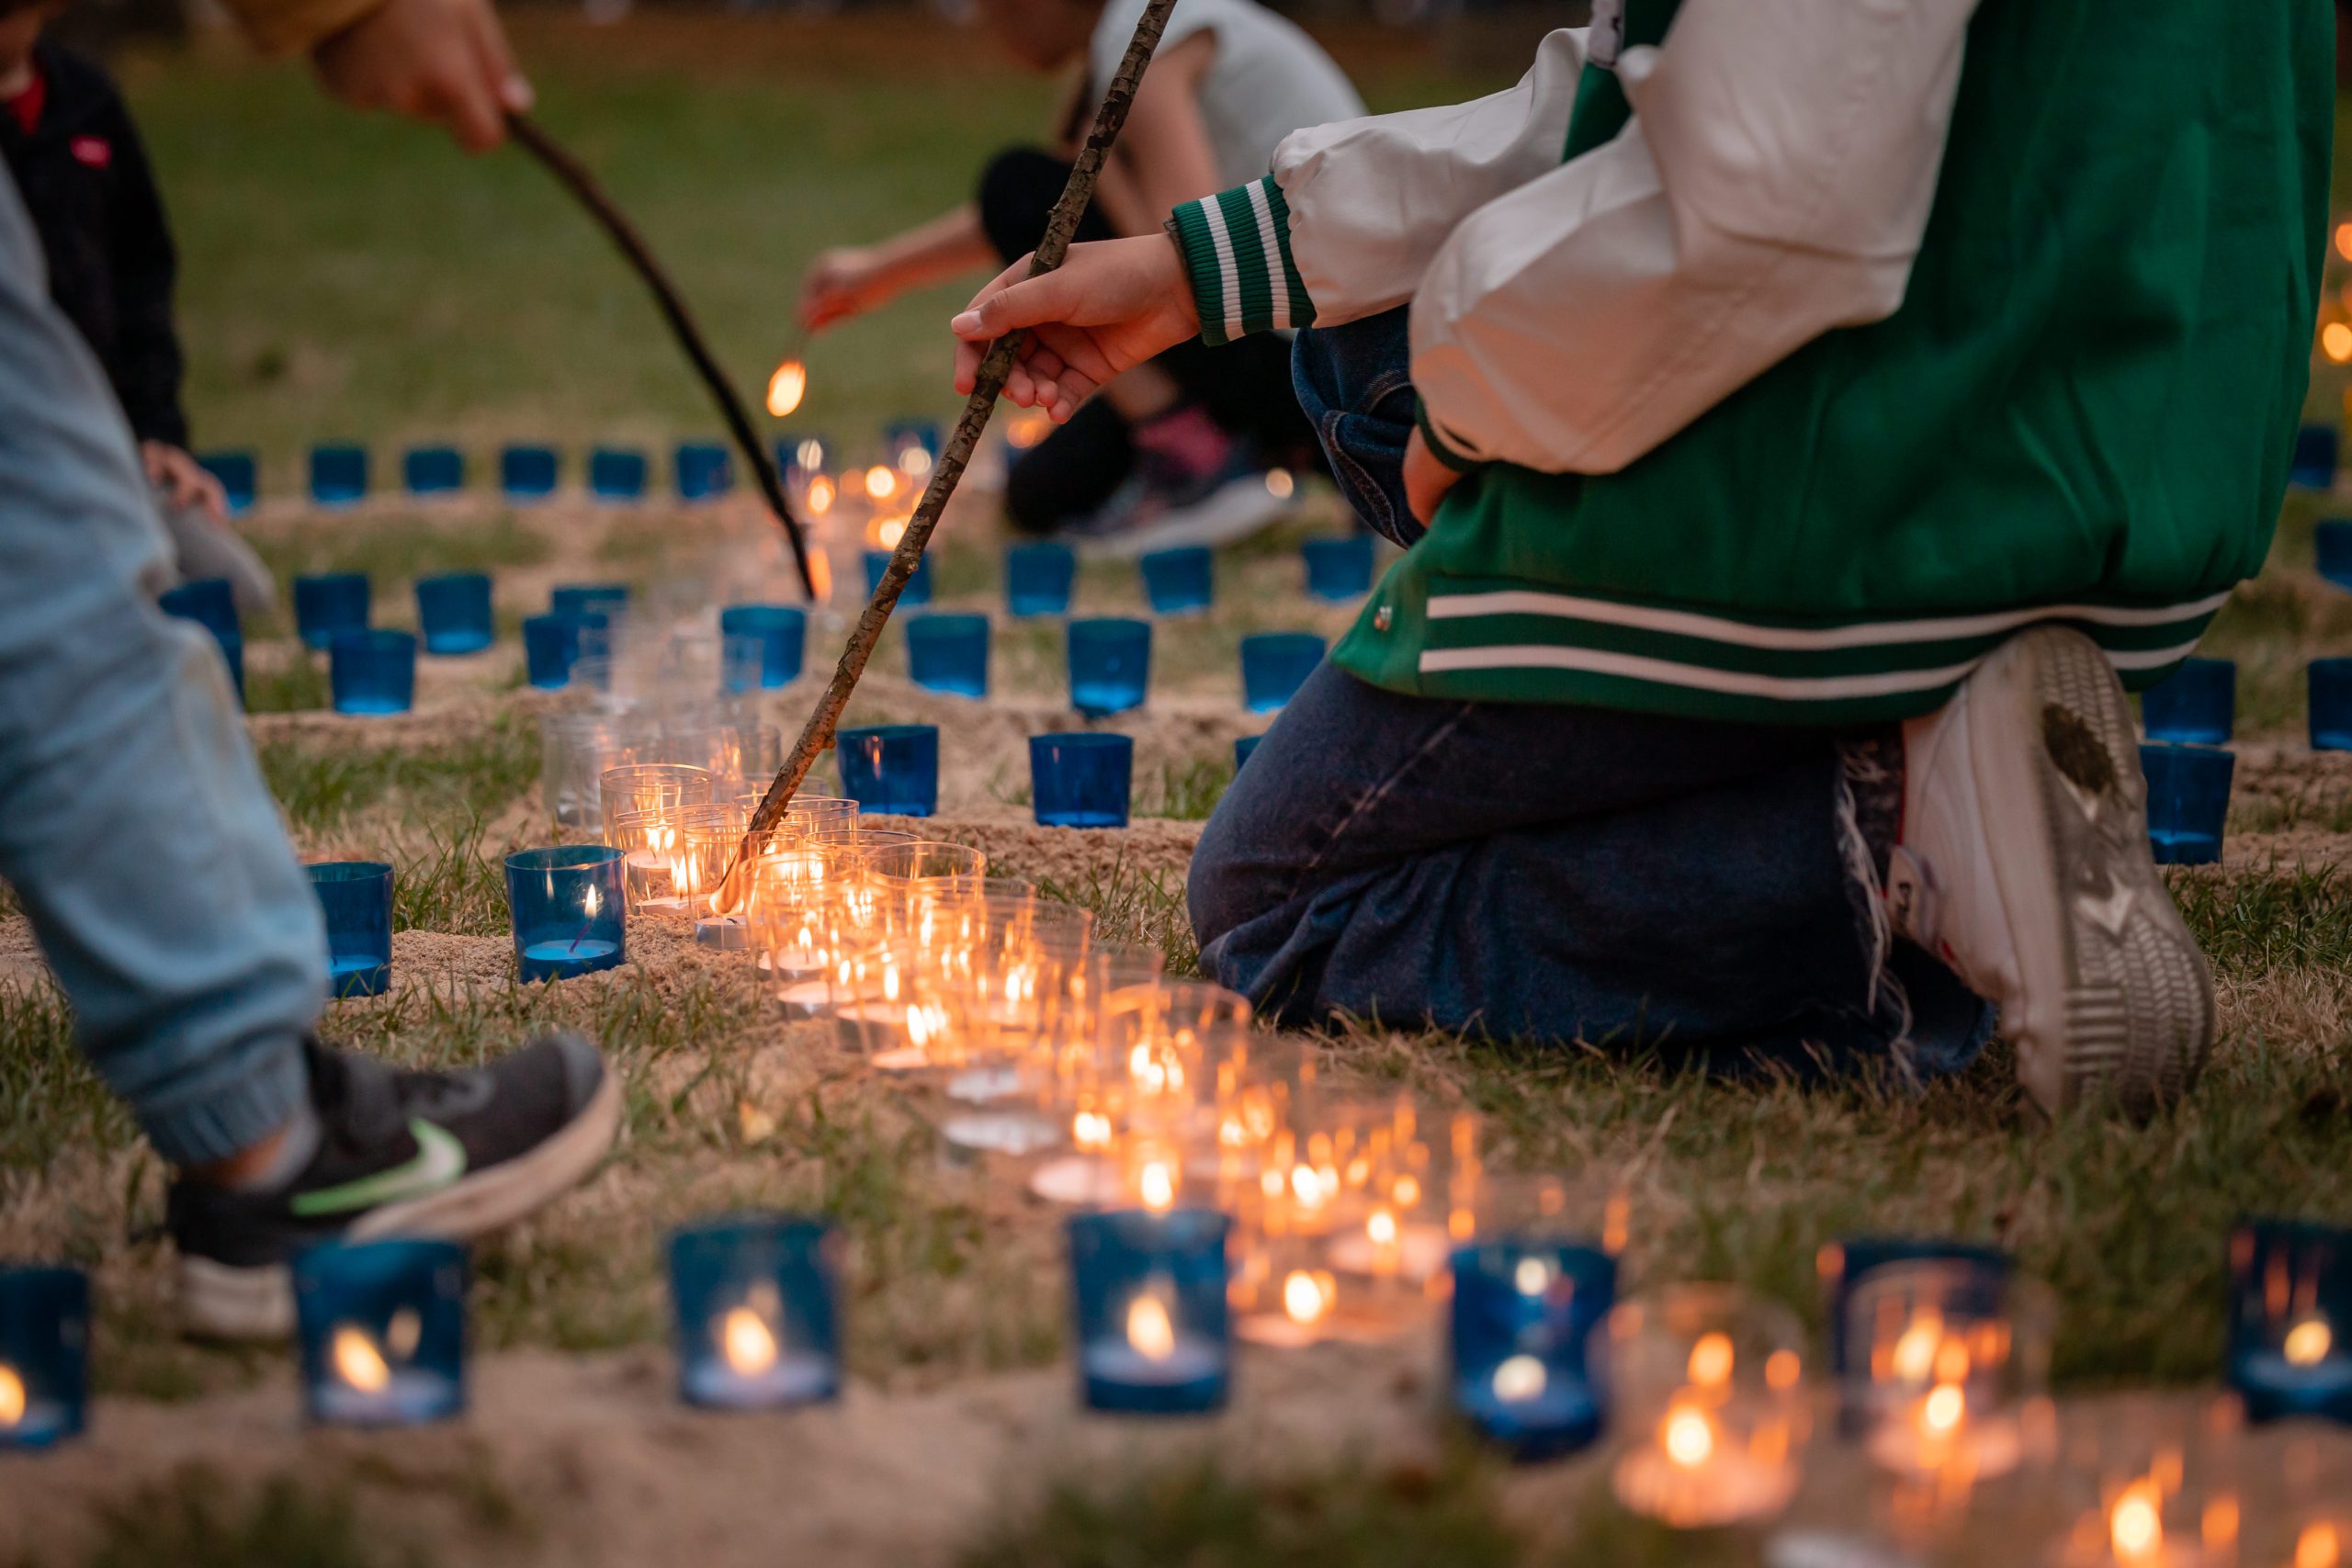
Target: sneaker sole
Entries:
(220, 1301)
(1226, 515)
(2118, 1004)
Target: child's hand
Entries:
(183, 481)
(838, 283)
(443, 62)
(1110, 307)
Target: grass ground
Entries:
(350, 277)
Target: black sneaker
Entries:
(399, 1154)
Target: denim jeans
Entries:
(1541, 871)
(134, 825)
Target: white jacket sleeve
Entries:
(1774, 183)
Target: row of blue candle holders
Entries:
(757, 1323)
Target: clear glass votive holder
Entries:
(453, 611)
(373, 672)
(892, 770)
(1707, 1392)
(44, 1354)
(355, 897)
(949, 653)
(2331, 705)
(1080, 779)
(821, 814)
(432, 470)
(1274, 665)
(381, 1330)
(2150, 1480)
(702, 469)
(1946, 1363)
(918, 588)
(2290, 1320)
(583, 598)
(330, 602)
(1339, 571)
(618, 473)
(2196, 706)
(528, 473)
(755, 1310)
(1242, 746)
(239, 474)
(1180, 581)
(2189, 800)
(1149, 1318)
(2332, 550)
(664, 787)
(338, 474)
(654, 863)
(570, 910)
(1110, 665)
(1842, 1264)
(2314, 460)
(1529, 1360)
(1037, 579)
(550, 647)
(781, 635)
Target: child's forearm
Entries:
(948, 246)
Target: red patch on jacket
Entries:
(96, 151)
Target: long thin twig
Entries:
(987, 385)
(582, 184)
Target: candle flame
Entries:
(1158, 1184)
(2309, 1342)
(889, 531)
(12, 1397)
(1149, 1330)
(2318, 1547)
(914, 462)
(2343, 241)
(1941, 1411)
(1711, 1360)
(787, 387)
(1914, 1352)
(1090, 1130)
(2135, 1525)
(359, 1363)
(1783, 1368)
(1532, 1277)
(1381, 1229)
(1521, 1377)
(881, 481)
(1307, 1298)
(820, 495)
(2336, 342)
(1688, 1435)
(592, 902)
(1026, 429)
(746, 1340)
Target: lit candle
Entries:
(787, 387)
(1149, 1298)
(1522, 1317)
(753, 1369)
(755, 1305)
(383, 1329)
(1717, 1430)
(2292, 1287)
(44, 1341)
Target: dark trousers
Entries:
(1244, 385)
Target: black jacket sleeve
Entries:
(147, 363)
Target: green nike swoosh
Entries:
(440, 1161)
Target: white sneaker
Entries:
(2024, 864)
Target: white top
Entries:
(1774, 183)
(1268, 79)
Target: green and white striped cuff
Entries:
(1237, 252)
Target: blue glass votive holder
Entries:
(212, 604)
(1037, 579)
(570, 910)
(1274, 665)
(1338, 569)
(891, 769)
(1110, 665)
(918, 588)
(240, 477)
(432, 470)
(1179, 581)
(528, 473)
(338, 475)
(381, 1326)
(1147, 1303)
(903, 435)
(452, 610)
(2290, 1320)
(44, 1354)
(1525, 1317)
(373, 671)
(702, 470)
(783, 636)
(328, 602)
(2313, 466)
(588, 598)
(2331, 705)
(2196, 706)
(755, 1306)
(949, 653)
(2188, 799)
(1242, 746)
(617, 473)
(355, 896)
(2332, 550)
(1081, 780)
(551, 645)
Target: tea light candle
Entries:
(1525, 1317)
(568, 906)
(755, 1310)
(2291, 1314)
(356, 899)
(1841, 1266)
(1714, 1414)
(1147, 1293)
(382, 1330)
(44, 1355)
(1946, 1358)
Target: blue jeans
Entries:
(1538, 872)
(134, 825)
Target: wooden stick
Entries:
(575, 178)
(1108, 119)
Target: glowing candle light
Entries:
(1158, 1186)
(1520, 1379)
(1688, 1435)
(2135, 1525)
(1711, 1360)
(787, 387)
(1307, 1298)
(2343, 241)
(359, 1363)
(820, 495)
(1148, 1329)
(2308, 1343)
(747, 1342)
(2319, 1546)
(1149, 1293)
(12, 1397)
(2336, 342)
(881, 482)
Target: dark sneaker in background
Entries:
(400, 1152)
(1193, 484)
